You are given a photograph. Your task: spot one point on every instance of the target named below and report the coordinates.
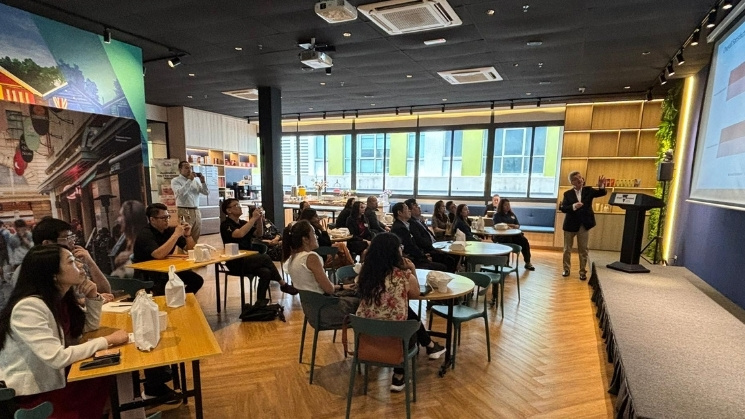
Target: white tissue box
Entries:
(231, 249)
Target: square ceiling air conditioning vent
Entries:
(245, 94)
(397, 17)
(471, 75)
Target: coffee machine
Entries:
(240, 191)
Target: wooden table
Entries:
(458, 287)
(181, 264)
(187, 338)
(341, 238)
(491, 231)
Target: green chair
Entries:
(375, 338)
(7, 404)
(41, 411)
(223, 268)
(313, 305)
(324, 252)
(128, 285)
(345, 272)
(463, 313)
(492, 266)
(514, 263)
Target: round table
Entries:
(474, 249)
(458, 287)
(335, 239)
(491, 231)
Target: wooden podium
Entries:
(636, 205)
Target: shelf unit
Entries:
(231, 166)
(617, 140)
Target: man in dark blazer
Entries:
(401, 228)
(424, 238)
(577, 205)
(371, 215)
(493, 205)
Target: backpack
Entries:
(262, 312)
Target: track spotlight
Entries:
(298, 117)
(411, 110)
(324, 115)
(512, 104)
(663, 80)
(726, 5)
(328, 71)
(443, 108)
(538, 105)
(173, 62)
(711, 21)
(648, 96)
(670, 70)
(343, 115)
(492, 105)
(106, 36)
(248, 119)
(695, 37)
(679, 58)
(356, 114)
(396, 111)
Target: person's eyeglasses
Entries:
(162, 217)
(68, 238)
(233, 206)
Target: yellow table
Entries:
(187, 338)
(182, 264)
(458, 287)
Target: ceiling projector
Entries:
(336, 11)
(315, 59)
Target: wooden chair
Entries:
(313, 305)
(128, 285)
(375, 343)
(463, 313)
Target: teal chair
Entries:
(41, 411)
(128, 285)
(223, 269)
(464, 313)
(492, 266)
(325, 252)
(511, 266)
(7, 405)
(372, 339)
(345, 272)
(313, 305)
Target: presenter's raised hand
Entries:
(601, 182)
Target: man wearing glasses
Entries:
(158, 240)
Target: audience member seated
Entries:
(341, 219)
(371, 215)
(440, 220)
(463, 224)
(39, 332)
(273, 240)
(235, 230)
(343, 257)
(424, 238)
(132, 220)
(385, 284)
(451, 207)
(359, 229)
(402, 228)
(158, 240)
(306, 270)
(505, 215)
(493, 205)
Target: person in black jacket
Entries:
(504, 214)
(425, 239)
(463, 223)
(371, 214)
(359, 229)
(493, 205)
(401, 228)
(341, 219)
(577, 205)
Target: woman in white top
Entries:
(306, 270)
(38, 329)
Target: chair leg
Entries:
(351, 385)
(225, 293)
(364, 377)
(251, 290)
(501, 296)
(413, 376)
(488, 345)
(302, 339)
(334, 339)
(517, 276)
(243, 293)
(407, 377)
(456, 330)
(313, 356)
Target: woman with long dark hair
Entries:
(505, 215)
(341, 219)
(359, 229)
(440, 220)
(39, 328)
(132, 220)
(385, 284)
(462, 223)
(306, 270)
(342, 257)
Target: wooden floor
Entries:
(548, 360)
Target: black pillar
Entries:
(270, 135)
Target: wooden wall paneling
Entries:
(651, 114)
(616, 116)
(647, 144)
(578, 117)
(569, 166)
(575, 144)
(627, 143)
(603, 144)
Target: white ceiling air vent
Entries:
(471, 75)
(397, 17)
(245, 94)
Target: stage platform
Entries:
(677, 345)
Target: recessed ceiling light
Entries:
(372, 104)
(528, 94)
(323, 83)
(435, 41)
(310, 109)
(408, 76)
(444, 99)
(190, 97)
(347, 34)
(545, 82)
(646, 52)
(534, 43)
(540, 65)
(515, 65)
(369, 96)
(256, 111)
(192, 74)
(627, 87)
(525, 8)
(238, 48)
(490, 12)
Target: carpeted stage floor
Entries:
(677, 344)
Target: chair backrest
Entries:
(481, 280)
(497, 260)
(345, 272)
(260, 247)
(313, 304)
(516, 249)
(327, 251)
(129, 285)
(41, 411)
(382, 341)
(6, 394)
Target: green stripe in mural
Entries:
(398, 148)
(473, 147)
(335, 154)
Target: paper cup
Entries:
(163, 320)
(191, 255)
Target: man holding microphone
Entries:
(187, 186)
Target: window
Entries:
(399, 169)
(15, 123)
(468, 175)
(435, 151)
(338, 167)
(371, 156)
(289, 162)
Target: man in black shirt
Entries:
(424, 238)
(401, 228)
(158, 240)
(235, 230)
(371, 215)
